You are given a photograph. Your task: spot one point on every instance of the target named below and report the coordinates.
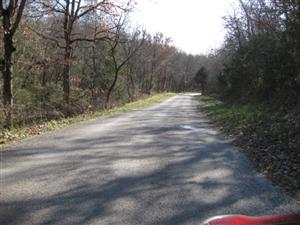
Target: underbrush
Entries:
(23, 132)
(270, 138)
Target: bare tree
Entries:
(11, 13)
(121, 38)
(73, 14)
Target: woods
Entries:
(11, 13)
(256, 76)
(63, 58)
(260, 56)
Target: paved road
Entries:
(161, 165)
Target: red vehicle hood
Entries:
(249, 220)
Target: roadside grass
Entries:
(270, 138)
(24, 132)
(232, 117)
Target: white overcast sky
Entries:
(195, 26)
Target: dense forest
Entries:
(260, 58)
(62, 58)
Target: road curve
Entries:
(164, 164)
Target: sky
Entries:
(195, 26)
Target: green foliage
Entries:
(261, 54)
(233, 117)
(24, 95)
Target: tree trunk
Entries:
(7, 79)
(150, 84)
(128, 87)
(133, 85)
(66, 79)
(111, 89)
(202, 88)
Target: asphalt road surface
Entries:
(164, 164)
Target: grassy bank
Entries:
(271, 139)
(234, 118)
(20, 133)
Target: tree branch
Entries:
(46, 37)
(19, 16)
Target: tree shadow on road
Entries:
(162, 175)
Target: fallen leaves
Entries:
(271, 139)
